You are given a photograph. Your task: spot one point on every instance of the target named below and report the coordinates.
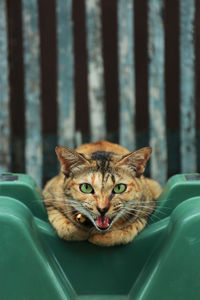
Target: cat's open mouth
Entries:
(100, 222)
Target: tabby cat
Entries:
(100, 195)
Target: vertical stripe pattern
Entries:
(156, 91)
(4, 93)
(33, 142)
(66, 109)
(95, 70)
(126, 74)
(187, 105)
(67, 134)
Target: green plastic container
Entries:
(163, 262)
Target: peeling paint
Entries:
(95, 70)
(66, 108)
(33, 140)
(4, 93)
(78, 138)
(187, 89)
(156, 91)
(126, 74)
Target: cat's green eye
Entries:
(119, 188)
(86, 188)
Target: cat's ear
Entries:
(69, 158)
(136, 160)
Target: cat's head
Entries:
(103, 187)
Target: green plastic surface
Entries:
(163, 262)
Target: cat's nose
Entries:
(102, 210)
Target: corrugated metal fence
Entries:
(67, 134)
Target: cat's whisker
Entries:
(163, 206)
(154, 218)
(161, 203)
(118, 206)
(150, 214)
(137, 212)
(161, 212)
(156, 208)
(146, 213)
(130, 209)
(54, 199)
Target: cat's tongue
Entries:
(102, 222)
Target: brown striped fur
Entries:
(102, 165)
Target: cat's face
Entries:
(103, 188)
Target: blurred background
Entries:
(78, 69)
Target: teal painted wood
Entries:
(78, 138)
(187, 89)
(156, 91)
(33, 141)
(4, 93)
(126, 74)
(95, 70)
(66, 110)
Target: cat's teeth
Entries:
(102, 222)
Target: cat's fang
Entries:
(102, 222)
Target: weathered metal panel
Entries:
(95, 70)
(66, 110)
(33, 141)
(126, 73)
(156, 91)
(187, 90)
(4, 93)
(78, 138)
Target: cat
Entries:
(100, 195)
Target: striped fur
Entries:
(103, 165)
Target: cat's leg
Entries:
(65, 228)
(117, 237)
